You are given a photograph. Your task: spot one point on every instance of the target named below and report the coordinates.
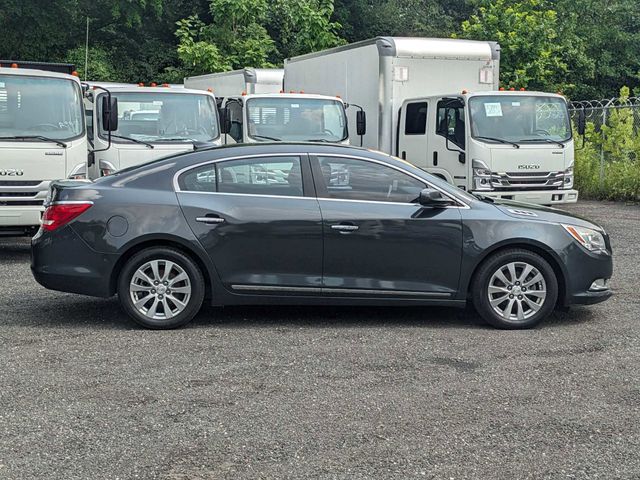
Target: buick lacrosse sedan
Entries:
(310, 224)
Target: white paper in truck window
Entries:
(493, 109)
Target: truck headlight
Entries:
(589, 238)
(568, 177)
(481, 175)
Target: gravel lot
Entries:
(320, 392)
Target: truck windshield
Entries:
(160, 116)
(519, 118)
(40, 106)
(296, 119)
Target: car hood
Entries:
(538, 212)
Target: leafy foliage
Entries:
(536, 52)
(609, 165)
(586, 48)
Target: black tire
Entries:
(501, 259)
(162, 254)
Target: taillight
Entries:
(58, 214)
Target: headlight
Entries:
(481, 175)
(590, 239)
(568, 177)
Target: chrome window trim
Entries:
(176, 186)
(411, 174)
(177, 189)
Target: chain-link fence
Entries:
(607, 147)
(599, 112)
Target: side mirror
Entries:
(361, 122)
(109, 113)
(225, 120)
(430, 197)
(582, 122)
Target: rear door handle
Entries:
(210, 220)
(343, 228)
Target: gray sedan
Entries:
(310, 224)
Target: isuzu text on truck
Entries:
(254, 108)
(436, 103)
(129, 125)
(42, 138)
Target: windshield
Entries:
(165, 117)
(40, 106)
(296, 119)
(520, 118)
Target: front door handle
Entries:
(210, 220)
(344, 228)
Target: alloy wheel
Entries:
(517, 291)
(160, 289)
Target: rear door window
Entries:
(278, 175)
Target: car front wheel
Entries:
(515, 288)
(161, 288)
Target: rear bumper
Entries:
(61, 261)
(540, 197)
(19, 218)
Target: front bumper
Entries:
(540, 197)
(62, 261)
(582, 270)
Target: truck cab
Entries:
(515, 145)
(42, 137)
(290, 117)
(152, 122)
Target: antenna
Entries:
(86, 53)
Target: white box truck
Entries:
(42, 138)
(237, 82)
(254, 108)
(436, 103)
(289, 117)
(129, 125)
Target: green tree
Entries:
(99, 65)
(537, 53)
(254, 33)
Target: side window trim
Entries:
(437, 122)
(317, 174)
(308, 187)
(323, 191)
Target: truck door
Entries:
(448, 157)
(412, 133)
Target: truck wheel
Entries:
(515, 289)
(161, 288)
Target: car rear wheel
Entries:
(161, 288)
(515, 289)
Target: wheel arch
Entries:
(163, 241)
(533, 246)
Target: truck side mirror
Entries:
(430, 197)
(361, 122)
(109, 113)
(582, 122)
(225, 120)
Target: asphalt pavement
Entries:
(292, 392)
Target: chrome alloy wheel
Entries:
(160, 289)
(517, 291)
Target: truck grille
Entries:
(20, 183)
(527, 180)
(17, 194)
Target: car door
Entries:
(378, 241)
(259, 220)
